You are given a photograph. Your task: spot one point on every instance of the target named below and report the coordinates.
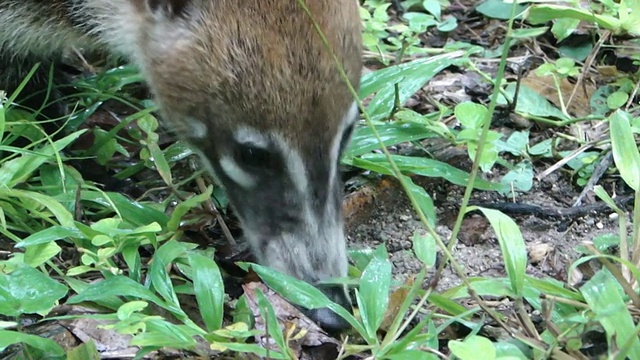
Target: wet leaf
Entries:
(625, 149)
(209, 289)
(28, 291)
(373, 294)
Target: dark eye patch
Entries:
(346, 136)
(254, 157)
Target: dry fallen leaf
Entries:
(298, 328)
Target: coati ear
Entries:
(169, 8)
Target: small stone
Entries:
(537, 252)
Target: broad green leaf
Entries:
(134, 212)
(425, 202)
(413, 355)
(271, 321)
(499, 9)
(532, 103)
(185, 206)
(512, 246)
(64, 217)
(510, 351)
(303, 294)
(116, 286)
(543, 13)
(209, 289)
(251, 348)
(373, 294)
(529, 33)
(484, 287)
(159, 277)
(406, 78)
(49, 234)
(47, 346)
(161, 333)
(424, 246)
(625, 149)
(423, 167)
(28, 291)
(37, 255)
(563, 27)
(471, 115)
(84, 351)
(617, 100)
(604, 296)
(18, 170)
(391, 133)
(159, 160)
(520, 178)
(473, 348)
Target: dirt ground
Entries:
(551, 242)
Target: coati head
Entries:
(254, 89)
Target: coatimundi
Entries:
(250, 85)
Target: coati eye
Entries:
(255, 157)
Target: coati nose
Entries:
(326, 318)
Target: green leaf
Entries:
(209, 289)
(64, 217)
(185, 206)
(37, 255)
(49, 234)
(604, 297)
(18, 170)
(84, 351)
(303, 294)
(412, 355)
(28, 291)
(532, 103)
(425, 202)
(271, 321)
(529, 33)
(625, 149)
(617, 100)
(473, 348)
(373, 294)
(134, 212)
(159, 160)
(116, 286)
(47, 346)
(252, 348)
(407, 78)
(512, 246)
(483, 287)
(520, 177)
(498, 9)
(391, 133)
(510, 351)
(424, 246)
(471, 115)
(161, 333)
(423, 167)
(562, 28)
(158, 274)
(543, 13)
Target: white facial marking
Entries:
(198, 129)
(295, 165)
(236, 173)
(348, 119)
(249, 136)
